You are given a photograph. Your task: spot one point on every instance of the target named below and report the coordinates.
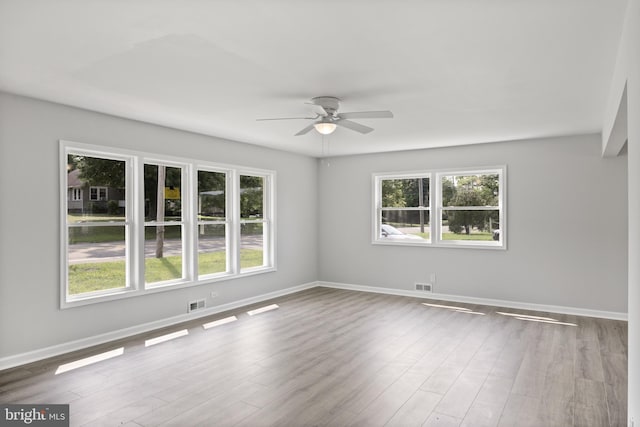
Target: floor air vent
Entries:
(424, 287)
(196, 305)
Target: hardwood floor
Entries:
(330, 357)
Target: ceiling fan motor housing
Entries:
(330, 104)
(325, 121)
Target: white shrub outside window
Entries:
(156, 223)
(448, 208)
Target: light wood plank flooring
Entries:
(330, 357)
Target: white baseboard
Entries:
(482, 301)
(43, 353)
(55, 350)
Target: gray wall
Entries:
(30, 317)
(627, 75)
(567, 215)
(567, 226)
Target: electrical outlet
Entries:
(214, 295)
(433, 278)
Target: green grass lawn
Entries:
(472, 236)
(100, 276)
(116, 234)
(111, 233)
(96, 234)
(454, 236)
(78, 218)
(478, 236)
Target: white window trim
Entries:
(435, 209)
(184, 223)
(268, 214)
(229, 210)
(75, 194)
(377, 179)
(134, 222)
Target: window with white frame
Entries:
(98, 193)
(405, 210)
(213, 223)
(172, 223)
(452, 208)
(75, 194)
(163, 223)
(96, 238)
(254, 225)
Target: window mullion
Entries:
(433, 194)
(233, 241)
(438, 210)
(128, 236)
(124, 232)
(471, 208)
(189, 223)
(138, 229)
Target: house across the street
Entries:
(84, 198)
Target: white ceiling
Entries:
(452, 71)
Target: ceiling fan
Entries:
(328, 118)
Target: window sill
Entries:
(451, 245)
(96, 298)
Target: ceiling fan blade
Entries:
(319, 109)
(353, 126)
(367, 115)
(288, 118)
(305, 130)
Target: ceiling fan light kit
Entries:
(325, 128)
(328, 119)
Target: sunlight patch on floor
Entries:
(540, 319)
(450, 307)
(89, 360)
(454, 308)
(263, 309)
(219, 322)
(167, 337)
(552, 322)
(524, 315)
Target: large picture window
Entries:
(149, 223)
(212, 223)
(163, 223)
(96, 230)
(405, 209)
(452, 208)
(254, 225)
